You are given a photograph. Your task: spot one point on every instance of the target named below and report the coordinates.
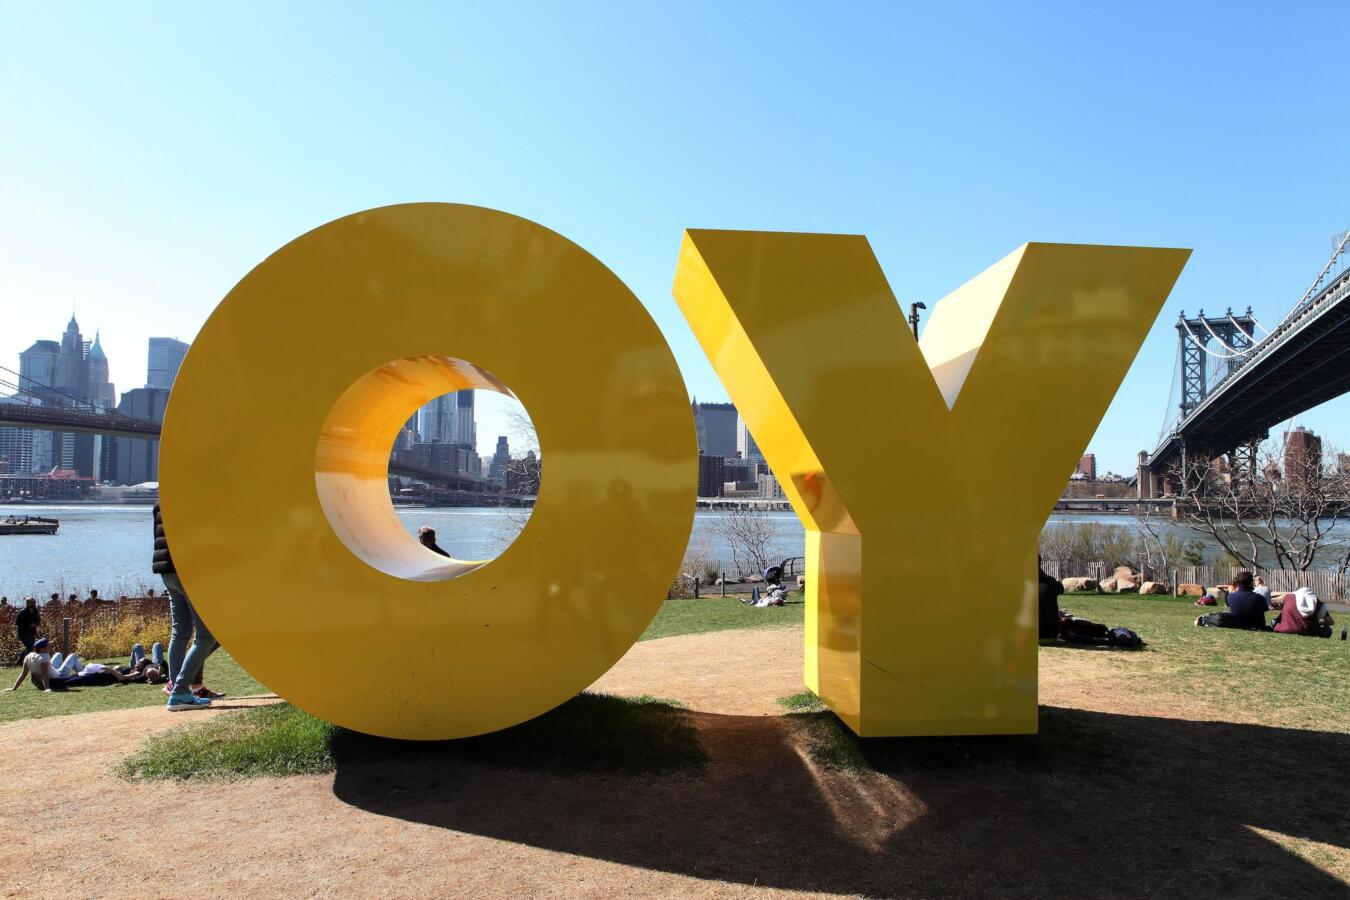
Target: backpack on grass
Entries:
(1120, 636)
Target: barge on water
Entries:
(28, 525)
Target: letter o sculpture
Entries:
(275, 453)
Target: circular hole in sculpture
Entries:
(428, 468)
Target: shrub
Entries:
(107, 640)
(698, 563)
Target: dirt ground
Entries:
(1198, 807)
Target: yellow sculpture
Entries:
(275, 453)
(923, 472)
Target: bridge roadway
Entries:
(1304, 362)
(114, 424)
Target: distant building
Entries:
(37, 382)
(746, 448)
(449, 419)
(1087, 467)
(438, 456)
(135, 460)
(16, 446)
(37, 368)
(741, 490)
(741, 471)
(77, 375)
(501, 462)
(767, 486)
(164, 359)
(711, 475)
(1302, 459)
(716, 427)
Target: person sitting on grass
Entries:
(774, 592)
(1302, 613)
(46, 670)
(1246, 608)
(1262, 588)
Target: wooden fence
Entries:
(1333, 587)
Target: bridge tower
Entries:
(1234, 336)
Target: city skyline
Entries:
(163, 356)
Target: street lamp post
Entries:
(914, 317)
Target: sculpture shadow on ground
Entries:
(1096, 805)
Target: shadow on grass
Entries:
(1096, 805)
(589, 734)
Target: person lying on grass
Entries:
(60, 671)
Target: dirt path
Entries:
(763, 819)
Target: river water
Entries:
(108, 547)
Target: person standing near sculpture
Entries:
(26, 626)
(185, 665)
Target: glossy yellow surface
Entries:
(276, 444)
(922, 472)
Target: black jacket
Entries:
(163, 562)
(1049, 590)
(26, 623)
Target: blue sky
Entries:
(154, 153)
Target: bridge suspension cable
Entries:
(1251, 337)
(46, 389)
(1341, 241)
(1203, 346)
(1171, 392)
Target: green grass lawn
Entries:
(1284, 680)
(593, 734)
(222, 673)
(678, 617)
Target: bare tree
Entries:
(523, 472)
(748, 531)
(1260, 510)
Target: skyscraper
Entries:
(716, 425)
(501, 462)
(746, 448)
(98, 390)
(70, 362)
(449, 419)
(80, 379)
(16, 446)
(163, 361)
(137, 459)
(37, 367)
(467, 431)
(29, 450)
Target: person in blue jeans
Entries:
(185, 663)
